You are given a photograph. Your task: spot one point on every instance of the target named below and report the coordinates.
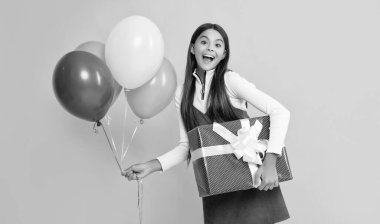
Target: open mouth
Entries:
(208, 58)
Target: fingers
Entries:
(257, 179)
(136, 172)
(268, 187)
(265, 185)
(134, 176)
(269, 178)
(127, 171)
(262, 186)
(275, 184)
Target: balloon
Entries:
(83, 85)
(151, 98)
(116, 90)
(134, 51)
(94, 47)
(98, 49)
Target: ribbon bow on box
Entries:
(246, 144)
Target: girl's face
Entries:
(209, 49)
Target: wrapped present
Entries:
(227, 155)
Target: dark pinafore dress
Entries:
(243, 207)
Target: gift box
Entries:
(226, 156)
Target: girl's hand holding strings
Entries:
(139, 171)
(267, 172)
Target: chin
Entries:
(208, 68)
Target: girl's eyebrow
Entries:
(203, 36)
(208, 38)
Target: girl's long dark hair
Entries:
(219, 106)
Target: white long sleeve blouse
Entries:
(239, 91)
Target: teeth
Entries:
(209, 56)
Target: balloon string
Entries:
(108, 121)
(111, 148)
(124, 127)
(94, 128)
(140, 199)
(133, 135)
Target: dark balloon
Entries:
(97, 48)
(83, 85)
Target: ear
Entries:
(192, 48)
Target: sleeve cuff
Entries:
(277, 151)
(162, 164)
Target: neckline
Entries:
(209, 74)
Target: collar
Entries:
(209, 75)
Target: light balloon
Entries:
(134, 51)
(151, 98)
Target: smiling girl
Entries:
(211, 93)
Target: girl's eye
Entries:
(218, 45)
(203, 42)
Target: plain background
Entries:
(318, 58)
